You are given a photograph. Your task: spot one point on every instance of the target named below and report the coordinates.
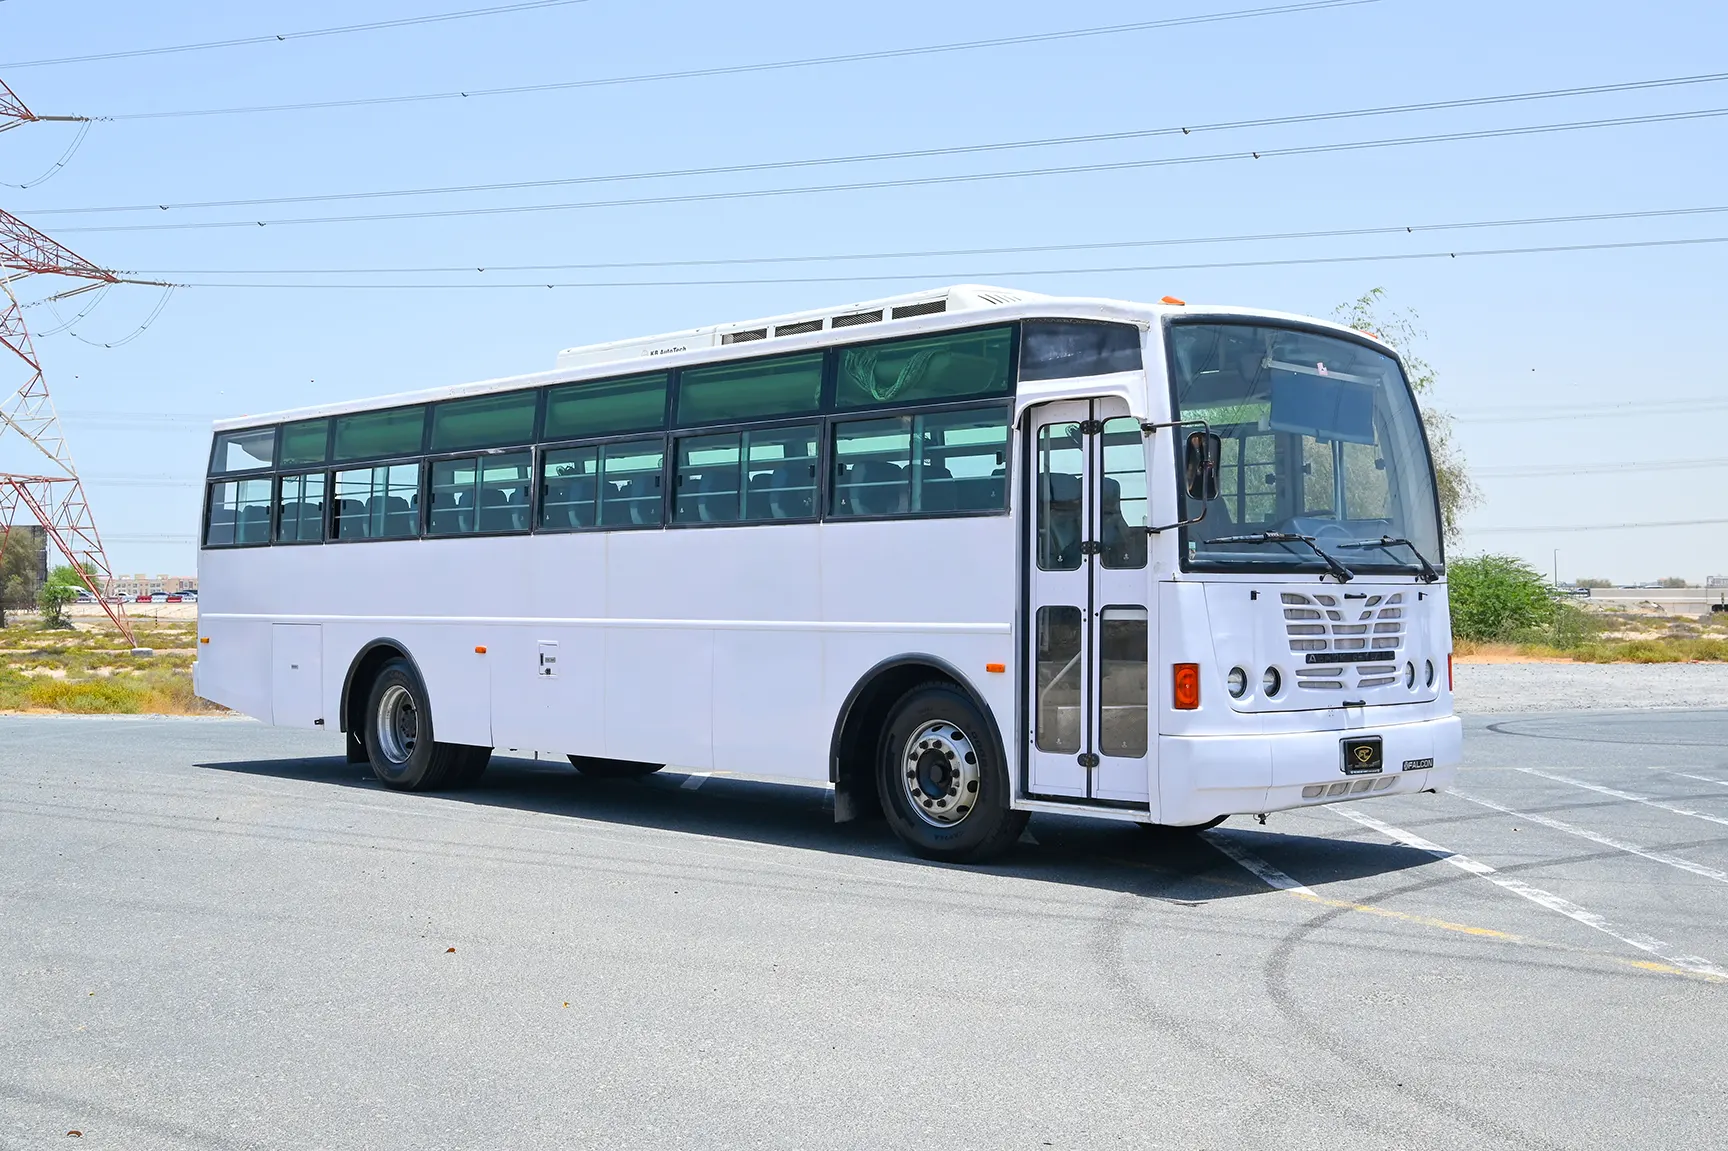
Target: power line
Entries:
(953, 277)
(1598, 527)
(924, 181)
(1560, 411)
(770, 66)
(905, 154)
(1520, 471)
(374, 26)
(1021, 250)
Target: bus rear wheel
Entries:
(597, 768)
(399, 742)
(943, 789)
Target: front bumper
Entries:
(1201, 777)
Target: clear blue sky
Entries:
(1538, 333)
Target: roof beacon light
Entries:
(1174, 302)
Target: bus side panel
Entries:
(455, 662)
(769, 714)
(548, 685)
(233, 669)
(658, 695)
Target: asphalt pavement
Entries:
(214, 934)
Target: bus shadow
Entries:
(1178, 867)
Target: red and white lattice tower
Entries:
(52, 494)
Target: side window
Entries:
(480, 494)
(367, 435)
(928, 464)
(1065, 349)
(707, 480)
(630, 483)
(930, 369)
(378, 503)
(606, 407)
(569, 489)
(750, 390)
(1122, 496)
(246, 451)
(239, 513)
(780, 473)
(1061, 516)
(484, 422)
(300, 508)
(305, 443)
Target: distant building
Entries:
(1716, 581)
(133, 586)
(32, 538)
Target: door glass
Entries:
(1061, 461)
(1058, 679)
(1122, 510)
(1122, 719)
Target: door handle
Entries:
(1086, 759)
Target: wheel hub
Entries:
(939, 773)
(398, 724)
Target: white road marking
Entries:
(1702, 778)
(1253, 864)
(1618, 794)
(695, 780)
(1594, 837)
(1536, 895)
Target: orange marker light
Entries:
(996, 668)
(481, 650)
(1448, 671)
(203, 639)
(1187, 686)
(1174, 302)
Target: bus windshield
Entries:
(1320, 438)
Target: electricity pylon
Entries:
(53, 495)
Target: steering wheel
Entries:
(1331, 531)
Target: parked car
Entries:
(159, 597)
(1583, 591)
(143, 597)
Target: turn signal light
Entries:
(996, 668)
(1187, 686)
(1448, 671)
(1174, 302)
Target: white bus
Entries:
(964, 555)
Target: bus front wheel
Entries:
(942, 787)
(399, 741)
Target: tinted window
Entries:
(300, 508)
(378, 503)
(1062, 349)
(243, 451)
(367, 434)
(239, 513)
(307, 442)
(707, 480)
(605, 407)
(919, 371)
(484, 422)
(609, 485)
(480, 494)
(925, 464)
(754, 389)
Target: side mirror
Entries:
(1200, 466)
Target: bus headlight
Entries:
(1410, 676)
(1430, 673)
(1271, 682)
(1238, 683)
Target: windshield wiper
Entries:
(1429, 575)
(1339, 572)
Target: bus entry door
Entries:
(1090, 620)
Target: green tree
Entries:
(60, 590)
(1496, 597)
(1400, 329)
(1593, 583)
(17, 567)
(1672, 581)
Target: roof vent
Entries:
(744, 337)
(999, 297)
(928, 308)
(799, 328)
(857, 318)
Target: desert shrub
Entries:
(1498, 597)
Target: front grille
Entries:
(1330, 623)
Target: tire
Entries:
(399, 741)
(935, 753)
(596, 768)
